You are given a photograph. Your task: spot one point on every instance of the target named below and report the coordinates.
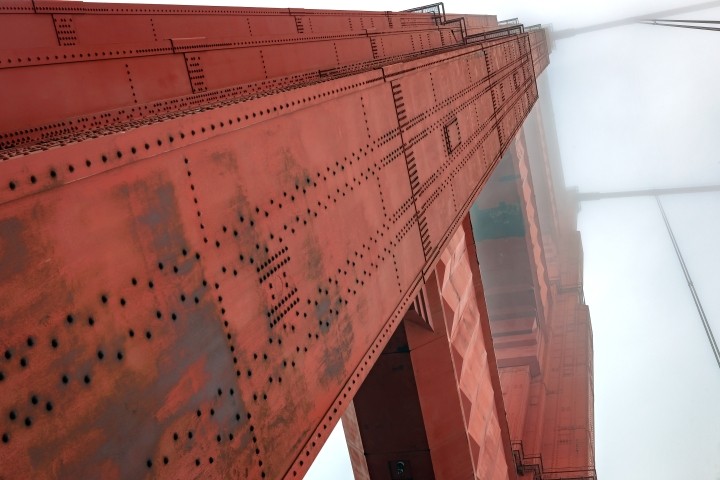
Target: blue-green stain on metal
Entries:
(505, 220)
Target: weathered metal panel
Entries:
(49, 93)
(218, 270)
(228, 67)
(354, 50)
(25, 31)
(114, 29)
(284, 59)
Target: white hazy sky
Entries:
(638, 107)
(635, 107)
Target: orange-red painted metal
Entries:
(137, 61)
(531, 260)
(432, 405)
(205, 243)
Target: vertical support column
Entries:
(500, 409)
(432, 405)
(354, 443)
(438, 390)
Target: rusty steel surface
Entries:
(199, 290)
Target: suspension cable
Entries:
(696, 298)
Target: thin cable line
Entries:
(714, 29)
(696, 298)
(681, 21)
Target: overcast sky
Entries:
(638, 107)
(635, 107)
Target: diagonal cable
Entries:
(696, 298)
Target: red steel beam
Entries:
(147, 60)
(200, 291)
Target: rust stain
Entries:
(13, 250)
